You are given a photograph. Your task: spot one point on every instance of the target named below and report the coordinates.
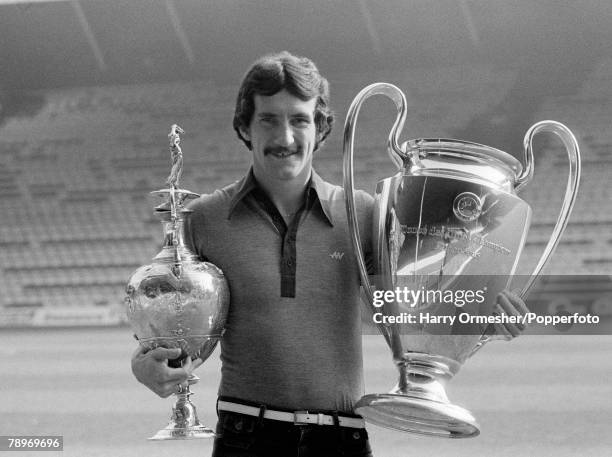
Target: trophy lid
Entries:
(464, 160)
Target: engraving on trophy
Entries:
(467, 206)
(178, 305)
(451, 234)
(129, 298)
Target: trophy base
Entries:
(184, 423)
(417, 415)
(191, 433)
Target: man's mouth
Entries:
(280, 152)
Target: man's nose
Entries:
(284, 135)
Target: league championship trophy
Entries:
(178, 301)
(450, 220)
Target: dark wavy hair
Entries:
(297, 75)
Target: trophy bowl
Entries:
(449, 223)
(185, 310)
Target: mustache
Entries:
(281, 150)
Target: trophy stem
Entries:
(184, 423)
(418, 403)
(422, 381)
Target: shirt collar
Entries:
(316, 184)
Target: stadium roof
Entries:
(91, 42)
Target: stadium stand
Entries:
(74, 177)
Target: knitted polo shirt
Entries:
(293, 332)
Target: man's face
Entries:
(283, 135)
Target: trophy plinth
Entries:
(184, 423)
(418, 403)
(177, 301)
(449, 221)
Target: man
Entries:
(293, 333)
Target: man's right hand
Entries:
(151, 369)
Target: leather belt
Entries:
(297, 417)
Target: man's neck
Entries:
(287, 195)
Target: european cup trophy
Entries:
(178, 301)
(449, 221)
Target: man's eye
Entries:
(266, 121)
(301, 122)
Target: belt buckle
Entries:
(295, 417)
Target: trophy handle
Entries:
(571, 190)
(395, 94)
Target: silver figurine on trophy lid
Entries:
(450, 220)
(178, 301)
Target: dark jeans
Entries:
(241, 435)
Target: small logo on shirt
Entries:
(336, 255)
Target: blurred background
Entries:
(89, 89)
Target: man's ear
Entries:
(245, 133)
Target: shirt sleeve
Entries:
(193, 228)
